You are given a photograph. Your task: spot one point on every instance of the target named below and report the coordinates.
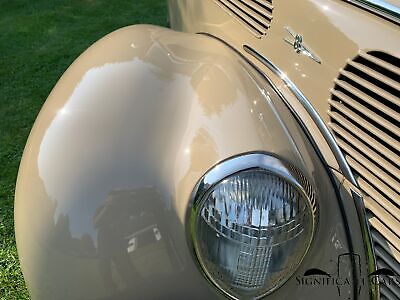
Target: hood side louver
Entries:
(256, 15)
(365, 119)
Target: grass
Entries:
(38, 41)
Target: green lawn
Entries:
(38, 41)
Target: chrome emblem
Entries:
(299, 46)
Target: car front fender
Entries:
(123, 138)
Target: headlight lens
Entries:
(252, 229)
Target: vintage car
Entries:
(249, 151)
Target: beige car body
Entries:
(336, 32)
(140, 117)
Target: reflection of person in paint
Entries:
(110, 221)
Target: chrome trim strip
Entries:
(368, 244)
(345, 169)
(226, 168)
(312, 112)
(380, 7)
(359, 203)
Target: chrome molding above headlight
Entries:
(251, 222)
(313, 113)
(345, 169)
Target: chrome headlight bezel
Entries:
(241, 163)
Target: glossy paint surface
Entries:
(334, 30)
(116, 151)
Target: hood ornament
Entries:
(299, 46)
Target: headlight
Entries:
(251, 224)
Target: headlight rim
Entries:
(260, 160)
